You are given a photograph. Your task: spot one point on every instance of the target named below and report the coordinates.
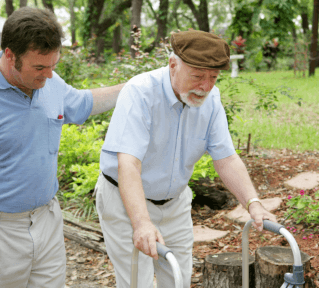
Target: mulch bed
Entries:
(268, 169)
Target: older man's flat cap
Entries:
(201, 49)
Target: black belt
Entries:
(111, 180)
(156, 202)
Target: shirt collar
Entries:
(168, 89)
(4, 84)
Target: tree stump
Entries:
(272, 262)
(225, 271)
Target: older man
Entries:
(34, 104)
(164, 121)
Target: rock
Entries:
(241, 215)
(202, 233)
(306, 180)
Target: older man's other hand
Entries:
(145, 237)
(259, 213)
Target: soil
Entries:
(268, 170)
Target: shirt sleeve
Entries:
(220, 144)
(129, 129)
(77, 104)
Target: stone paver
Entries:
(241, 215)
(306, 180)
(202, 233)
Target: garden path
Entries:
(269, 170)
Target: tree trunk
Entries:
(100, 43)
(23, 3)
(94, 11)
(36, 3)
(99, 27)
(271, 264)
(304, 20)
(201, 14)
(162, 21)
(135, 21)
(117, 39)
(9, 7)
(48, 4)
(224, 270)
(173, 15)
(314, 39)
(72, 20)
(294, 33)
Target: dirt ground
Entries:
(268, 171)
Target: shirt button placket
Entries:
(178, 147)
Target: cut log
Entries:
(87, 234)
(225, 271)
(272, 262)
(86, 239)
(89, 226)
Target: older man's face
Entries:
(191, 85)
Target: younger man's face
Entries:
(33, 68)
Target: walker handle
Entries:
(162, 250)
(272, 226)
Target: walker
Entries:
(168, 255)
(295, 279)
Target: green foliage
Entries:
(127, 67)
(202, 169)
(304, 208)
(77, 64)
(80, 145)
(85, 180)
(83, 207)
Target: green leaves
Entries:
(203, 168)
(79, 145)
(304, 208)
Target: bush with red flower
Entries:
(239, 45)
(304, 208)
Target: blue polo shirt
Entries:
(30, 134)
(150, 123)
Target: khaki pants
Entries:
(173, 220)
(32, 251)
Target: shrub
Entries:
(80, 145)
(202, 169)
(304, 208)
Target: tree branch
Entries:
(191, 5)
(173, 15)
(190, 20)
(108, 22)
(151, 7)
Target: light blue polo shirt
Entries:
(30, 134)
(149, 122)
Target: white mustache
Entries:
(198, 93)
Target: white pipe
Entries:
(176, 270)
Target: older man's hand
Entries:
(145, 237)
(259, 213)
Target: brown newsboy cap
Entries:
(201, 49)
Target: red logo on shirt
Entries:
(60, 117)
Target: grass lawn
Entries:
(289, 126)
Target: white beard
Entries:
(192, 101)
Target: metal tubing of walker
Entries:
(245, 251)
(171, 260)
